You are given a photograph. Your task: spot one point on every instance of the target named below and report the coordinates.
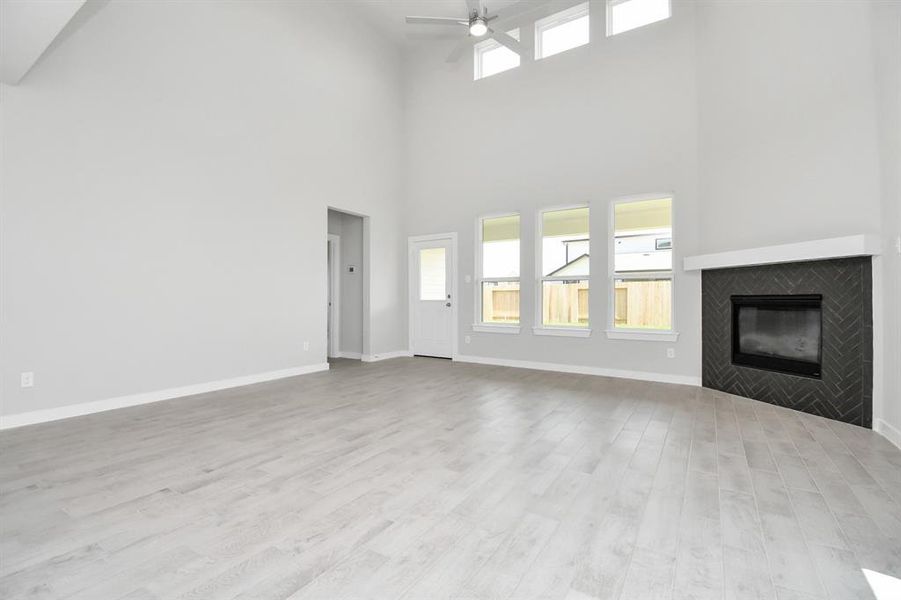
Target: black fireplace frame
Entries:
(771, 363)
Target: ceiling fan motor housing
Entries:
(478, 26)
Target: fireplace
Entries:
(778, 333)
(797, 334)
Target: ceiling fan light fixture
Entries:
(478, 27)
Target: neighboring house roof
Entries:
(577, 266)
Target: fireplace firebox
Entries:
(781, 333)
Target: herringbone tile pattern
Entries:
(845, 391)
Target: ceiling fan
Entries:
(478, 26)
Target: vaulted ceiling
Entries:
(27, 28)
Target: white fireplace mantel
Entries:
(840, 247)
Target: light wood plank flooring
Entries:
(421, 478)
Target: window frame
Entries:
(480, 48)
(561, 18)
(609, 17)
(622, 333)
(478, 324)
(539, 328)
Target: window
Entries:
(562, 31)
(432, 274)
(643, 265)
(498, 288)
(623, 15)
(491, 57)
(564, 268)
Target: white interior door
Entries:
(432, 305)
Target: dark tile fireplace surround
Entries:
(833, 309)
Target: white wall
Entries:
(887, 38)
(788, 148)
(350, 229)
(613, 118)
(166, 176)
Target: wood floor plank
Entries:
(420, 478)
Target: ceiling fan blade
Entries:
(459, 49)
(436, 21)
(432, 35)
(507, 40)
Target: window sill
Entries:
(507, 329)
(581, 332)
(643, 336)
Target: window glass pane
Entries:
(629, 14)
(432, 279)
(565, 303)
(643, 304)
(562, 31)
(500, 302)
(493, 57)
(643, 236)
(564, 244)
(500, 247)
(565, 36)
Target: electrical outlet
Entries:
(467, 339)
(27, 379)
(671, 353)
(306, 346)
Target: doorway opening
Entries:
(346, 285)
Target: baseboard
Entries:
(87, 408)
(889, 432)
(350, 355)
(582, 370)
(386, 355)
